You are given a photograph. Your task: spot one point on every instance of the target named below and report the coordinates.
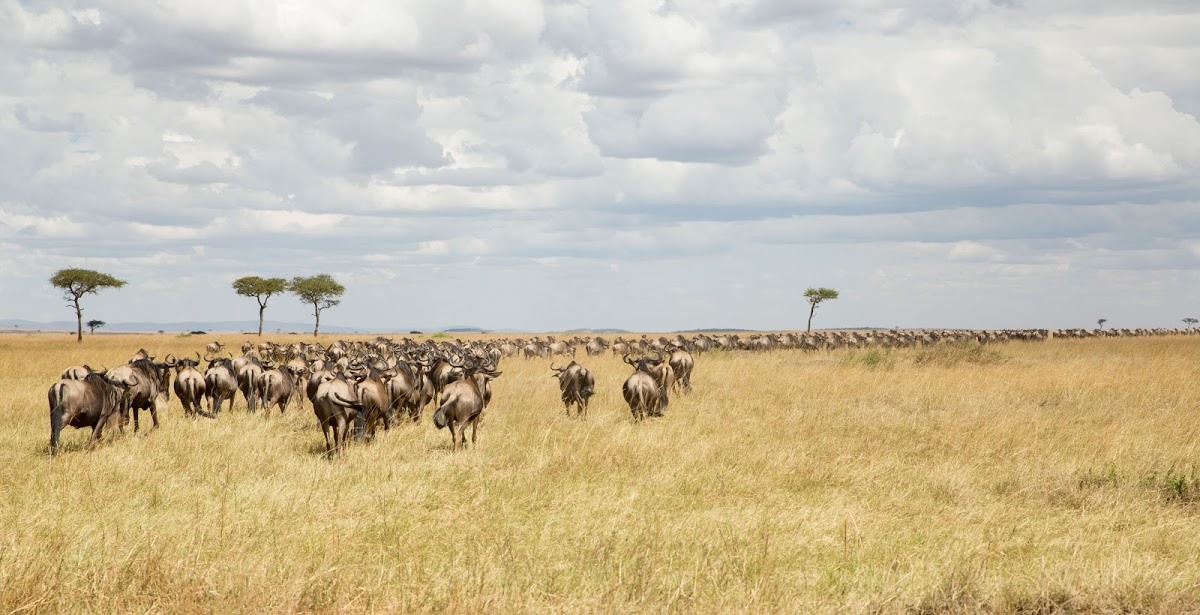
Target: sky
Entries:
(646, 165)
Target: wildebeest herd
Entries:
(363, 384)
(351, 386)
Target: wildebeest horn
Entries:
(625, 358)
(557, 369)
(197, 357)
(170, 360)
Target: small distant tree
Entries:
(262, 289)
(321, 291)
(75, 283)
(1190, 322)
(1100, 323)
(815, 297)
(92, 325)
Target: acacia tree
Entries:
(94, 324)
(75, 283)
(1190, 322)
(321, 291)
(261, 289)
(1101, 322)
(815, 296)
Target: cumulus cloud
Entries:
(938, 158)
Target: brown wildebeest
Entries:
(681, 361)
(220, 384)
(190, 386)
(643, 394)
(146, 380)
(91, 401)
(336, 404)
(576, 384)
(371, 387)
(275, 388)
(463, 402)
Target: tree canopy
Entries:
(76, 283)
(261, 289)
(815, 297)
(321, 291)
(94, 324)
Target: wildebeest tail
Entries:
(439, 418)
(350, 403)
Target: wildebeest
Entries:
(79, 372)
(595, 346)
(145, 380)
(91, 401)
(190, 386)
(248, 369)
(371, 387)
(463, 402)
(405, 390)
(681, 361)
(276, 388)
(214, 348)
(576, 384)
(641, 391)
(336, 403)
(220, 383)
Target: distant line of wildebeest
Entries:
(365, 383)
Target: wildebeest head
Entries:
(644, 363)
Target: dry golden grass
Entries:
(1032, 478)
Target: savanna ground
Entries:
(1024, 478)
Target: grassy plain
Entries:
(1026, 478)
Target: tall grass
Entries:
(1061, 478)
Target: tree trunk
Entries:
(78, 322)
(810, 315)
(317, 323)
(261, 308)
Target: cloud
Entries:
(601, 153)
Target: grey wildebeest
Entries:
(91, 401)
(641, 390)
(576, 384)
(463, 402)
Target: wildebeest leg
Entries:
(98, 429)
(474, 429)
(154, 414)
(327, 430)
(339, 433)
(454, 433)
(136, 411)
